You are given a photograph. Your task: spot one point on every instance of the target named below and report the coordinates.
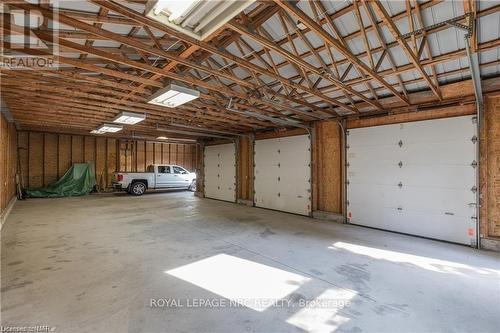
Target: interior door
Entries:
(283, 174)
(417, 178)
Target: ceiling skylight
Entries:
(195, 18)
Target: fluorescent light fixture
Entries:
(97, 132)
(110, 128)
(162, 138)
(173, 96)
(301, 26)
(195, 18)
(129, 118)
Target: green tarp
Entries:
(78, 180)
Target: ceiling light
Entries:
(97, 132)
(173, 96)
(162, 138)
(110, 128)
(129, 118)
(301, 26)
(195, 18)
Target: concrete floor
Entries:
(97, 263)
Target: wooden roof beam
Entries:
(316, 28)
(300, 62)
(127, 12)
(382, 13)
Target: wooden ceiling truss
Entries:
(264, 77)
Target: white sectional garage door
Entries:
(220, 172)
(282, 174)
(416, 178)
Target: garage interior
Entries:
(347, 160)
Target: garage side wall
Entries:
(490, 171)
(45, 157)
(327, 167)
(8, 165)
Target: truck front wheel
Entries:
(137, 188)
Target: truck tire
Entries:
(137, 188)
(192, 187)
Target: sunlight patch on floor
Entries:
(246, 282)
(322, 313)
(431, 264)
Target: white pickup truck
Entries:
(158, 176)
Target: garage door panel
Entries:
(220, 172)
(297, 204)
(373, 194)
(367, 154)
(282, 174)
(448, 153)
(435, 196)
(436, 200)
(374, 173)
(446, 227)
(432, 130)
(363, 214)
(383, 137)
(429, 175)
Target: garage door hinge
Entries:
(474, 189)
(400, 208)
(474, 164)
(347, 202)
(347, 182)
(346, 146)
(400, 143)
(400, 184)
(474, 139)
(348, 164)
(400, 164)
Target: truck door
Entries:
(181, 176)
(164, 177)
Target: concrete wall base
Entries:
(6, 212)
(245, 202)
(328, 216)
(199, 194)
(490, 244)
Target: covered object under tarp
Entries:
(78, 180)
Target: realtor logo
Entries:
(29, 37)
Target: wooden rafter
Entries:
(382, 13)
(316, 28)
(101, 81)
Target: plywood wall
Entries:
(8, 162)
(490, 168)
(45, 157)
(245, 169)
(327, 168)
